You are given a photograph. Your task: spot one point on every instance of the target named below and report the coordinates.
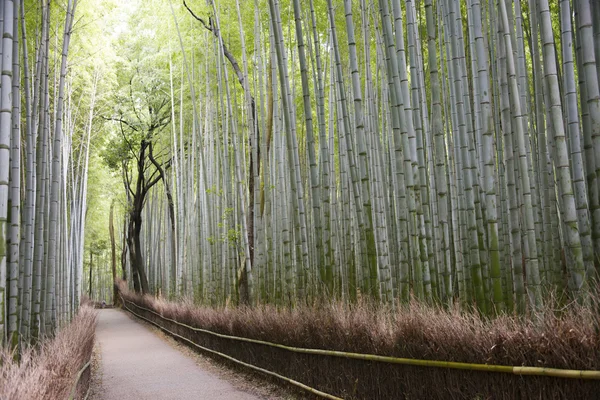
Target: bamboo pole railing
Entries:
(79, 375)
(515, 370)
(235, 360)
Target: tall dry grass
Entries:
(49, 371)
(567, 338)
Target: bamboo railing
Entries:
(235, 360)
(77, 379)
(515, 370)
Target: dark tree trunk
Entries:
(132, 256)
(124, 252)
(251, 183)
(139, 262)
(140, 279)
(138, 184)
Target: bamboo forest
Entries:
(245, 165)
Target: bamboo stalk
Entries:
(79, 374)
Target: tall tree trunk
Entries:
(55, 190)
(91, 275)
(562, 162)
(113, 252)
(15, 190)
(5, 151)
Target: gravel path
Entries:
(135, 363)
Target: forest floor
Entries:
(135, 361)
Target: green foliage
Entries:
(214, 191)
(133, 50)
(103, 187)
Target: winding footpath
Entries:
(137, 364)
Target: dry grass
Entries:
(569, 339)
(50, 371)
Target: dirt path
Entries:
(135, 363)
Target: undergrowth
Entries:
(566, 338)
(49, 371)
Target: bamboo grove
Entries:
(300, 151)
(44, 154)
(442, 150)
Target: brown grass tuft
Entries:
(568, 339)
(49, 372)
